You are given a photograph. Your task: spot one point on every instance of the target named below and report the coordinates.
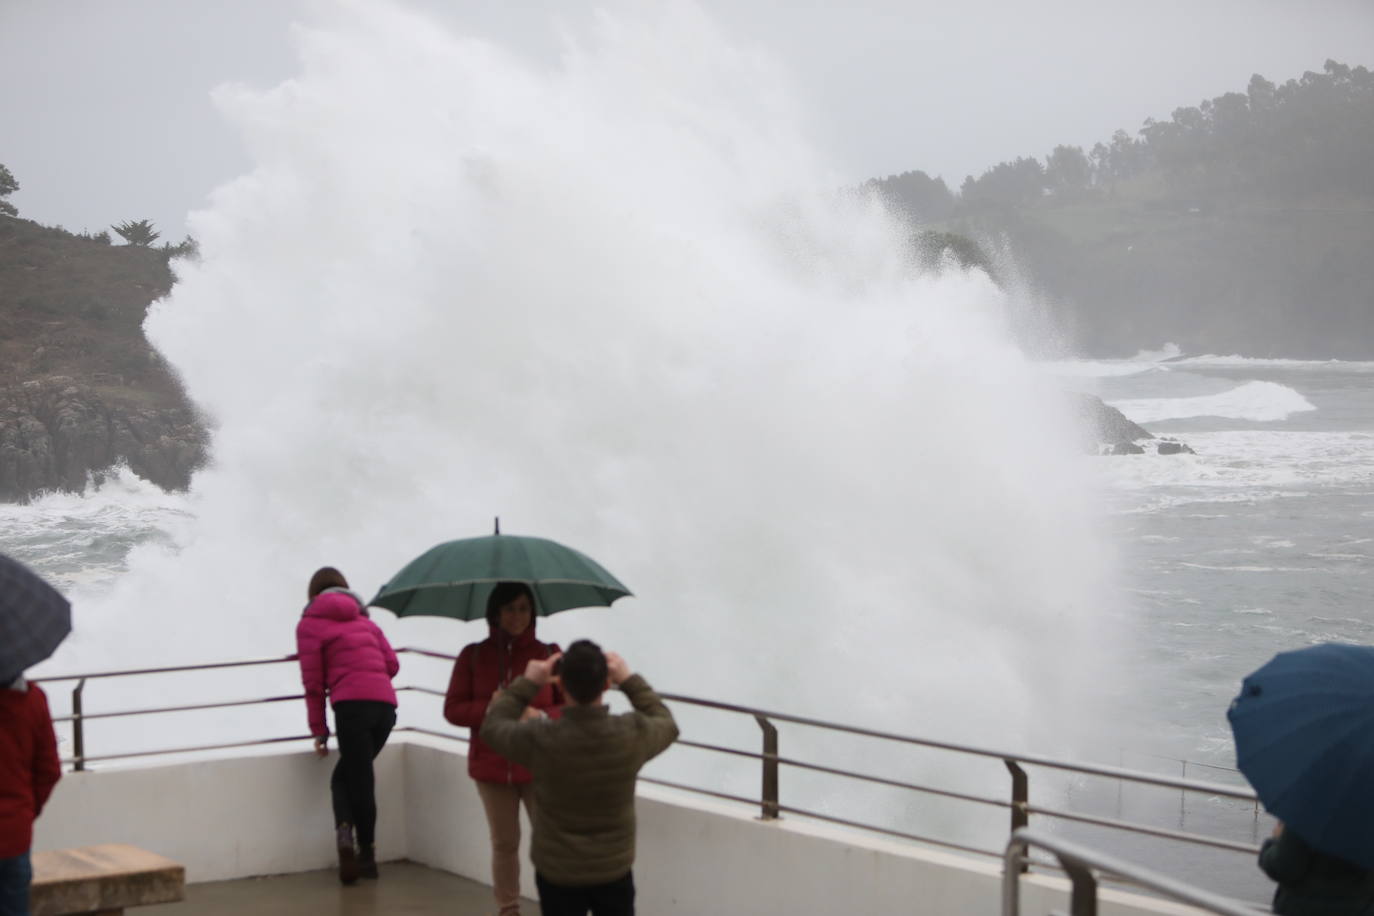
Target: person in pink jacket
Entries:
(344, 655)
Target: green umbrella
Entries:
(454, 579)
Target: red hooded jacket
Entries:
(28, 765)
(482, 669)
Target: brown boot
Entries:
(367, 861)
(348, 859)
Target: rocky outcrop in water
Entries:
(1107, 431)
(59, 435)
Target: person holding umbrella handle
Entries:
(34, 619)
(1312, 883)
(28, 771)
(481, 670)
(1303, 724)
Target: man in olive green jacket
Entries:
(585, 764)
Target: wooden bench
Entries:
(102, 879)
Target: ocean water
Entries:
(1257, 544)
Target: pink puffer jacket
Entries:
(342, 653)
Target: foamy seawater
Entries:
(1257, 544)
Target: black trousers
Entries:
(362, 727)
(615, 898)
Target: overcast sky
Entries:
(106, 111)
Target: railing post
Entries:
(78, 731)
(1183, 799)
(1013, 867)
(1020, 798)
(769, 807)
(1084, 899)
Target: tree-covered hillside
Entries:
(1243, 224)
(80, 388)
(73, 305)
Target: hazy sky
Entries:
(106, 113)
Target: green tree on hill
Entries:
(1068, 171)
(7, 187)
(1242, 221)
(916, 195)
(139, 233)
(1009, 183)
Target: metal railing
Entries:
(1018, 802)
(78, 717)
(1083, 865)
(769, 800)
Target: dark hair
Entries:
(325, 577)
(583, 671)
(503, 594)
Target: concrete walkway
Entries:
(404, 888)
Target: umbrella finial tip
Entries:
(498, 525)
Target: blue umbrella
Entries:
(34, 618)
(1304, 729)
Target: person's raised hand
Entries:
(616, 669)
(540, 670)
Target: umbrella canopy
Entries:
(454, 579)
(1304, 728)
(34, 618)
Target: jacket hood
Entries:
(335, 604)
(502, 638)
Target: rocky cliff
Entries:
(80, 388)
(57, 434)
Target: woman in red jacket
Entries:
(344, 655)
(481, 670)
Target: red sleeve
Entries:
(46, 768)
(461, 705)
(310, 649)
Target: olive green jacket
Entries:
(585, 765)
(1312, 883)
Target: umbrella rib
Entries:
(1314, 831)
(1278, 738)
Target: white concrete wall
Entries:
(689, 847)
(447, 826)
(269, 815)
(227, 818)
